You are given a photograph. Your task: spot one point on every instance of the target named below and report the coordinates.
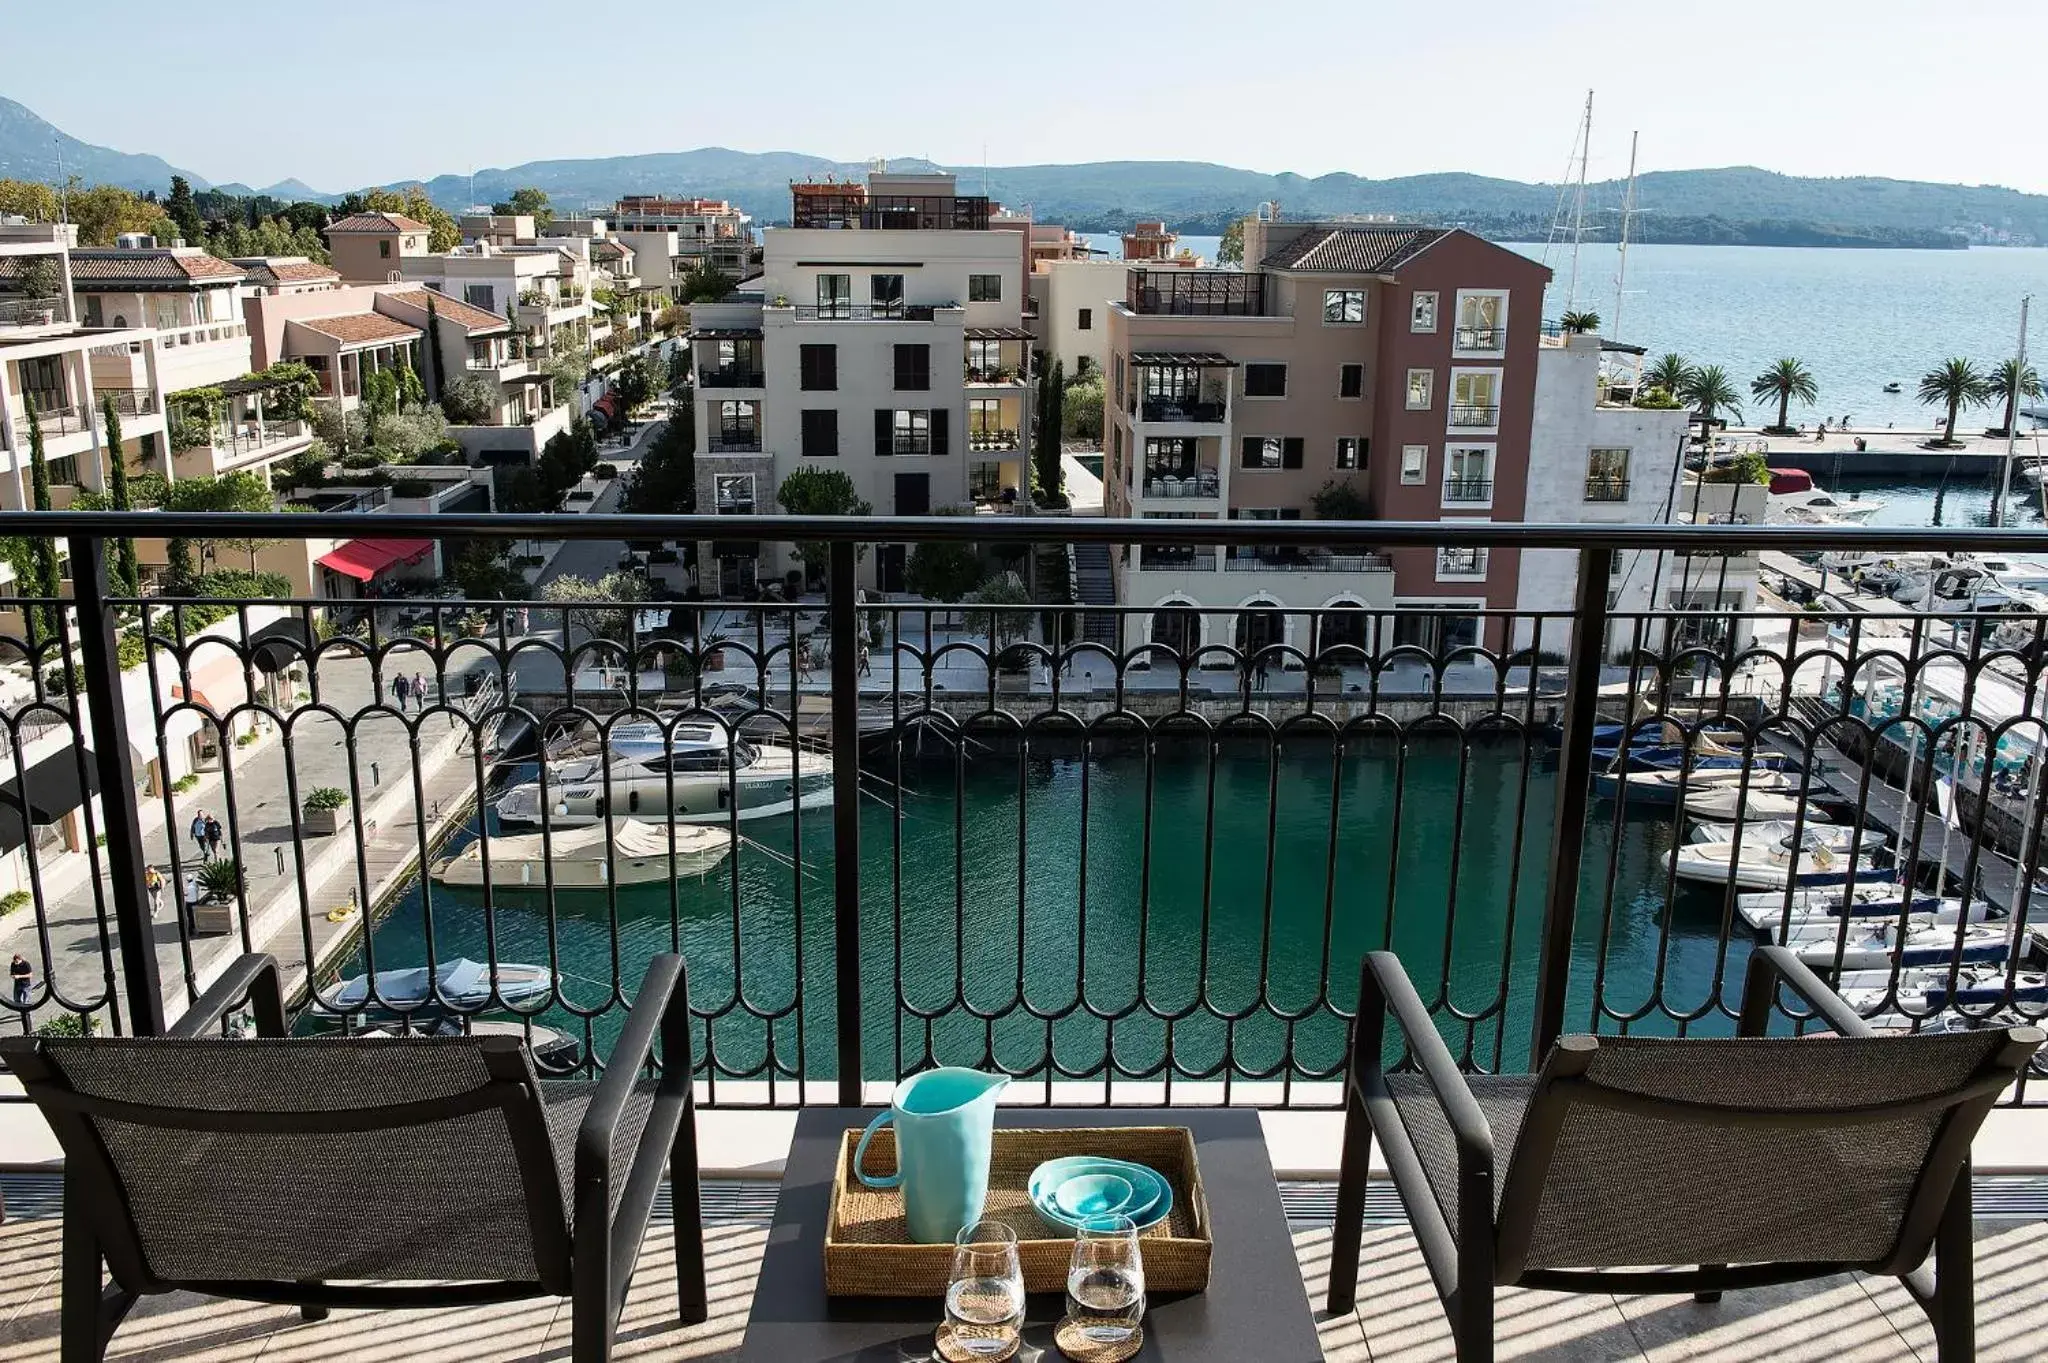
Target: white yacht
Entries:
(1773, 833)
(1878, 945)
(702, 775)
(1750, 866)
(629, 853)
(1825, 505)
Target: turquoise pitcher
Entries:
(943, 1119)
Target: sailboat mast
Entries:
(1628, 208)
(1579, 203)
(2011, 427)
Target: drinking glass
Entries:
(1106, 1280)
(985, 1294)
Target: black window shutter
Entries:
(1248, 452)
(1290, 452)
(885, 431)
(939, 442)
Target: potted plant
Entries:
(219, 883)
(325, 810)
(39, 281)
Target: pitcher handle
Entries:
(860, 1154)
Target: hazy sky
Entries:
(257, 91)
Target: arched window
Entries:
(1344, 626)
(1260, 625)
(1177, 628)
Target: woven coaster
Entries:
(946, 1346)
(1082, 1349)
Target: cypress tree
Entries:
(45, 581)
(127, 576)
(434, 346)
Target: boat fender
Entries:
(341, 913)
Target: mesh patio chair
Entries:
(1748, 1161)
(363, 1171)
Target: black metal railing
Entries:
(1176, 409)
(1604, 487)
(1482, 338)
(730, 376)
(1206, 293)
(733, 442)
(868, 312)
(990, 440)
(1468, 414)
(1461, 562)
(1146, 854)
(1468, 489)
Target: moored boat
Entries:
(629, 852)
(1839, 944)
(1751, 867)
(705, 777)
(1773, 832)
(460, 984)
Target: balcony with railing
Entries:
(1606, 487)
(1487, 338)
(1278, 559)
(1464, 414)
(1196, 482)
(875, 312)
(1196, 293)
(1142, 870)
(1468, 490)
(733, 440)
(1461, 562)
(993, 439)
(731, 376)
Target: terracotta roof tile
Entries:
(376, 222)
(1352, 250)
(468, 315)
(360, 326)
(269, 271)
(106, 265)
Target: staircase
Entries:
(1094, 586)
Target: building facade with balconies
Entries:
(1393, 363)
(370, 248)
(886, 342)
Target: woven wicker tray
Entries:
(868, 1251)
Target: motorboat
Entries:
(1878, 945)
(1666, 786)
(708, 776)
(1868, 899)
(1893, 388)
(1774, 832)
(1751, 867)
(1925, 991)
(630, 852)
(1722, 803)
(460, 984)
(1827, 504)
(553, 1052)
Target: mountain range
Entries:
(1733, 204)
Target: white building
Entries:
(887, 342)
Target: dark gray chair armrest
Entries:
(595, 1137)
(1433, 1059)
(1770, 967)
(253, 977)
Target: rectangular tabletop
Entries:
(1255, 1307)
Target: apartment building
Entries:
(886, 341)
(368, 248)
(1396, 363)
(542, 287)
(53, 360)
(669, 236)
(286, 274)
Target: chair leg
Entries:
(693, 1304)
(1347, 1236)
(1471, 1310)
(1954, 1308)
(1708, 1298)
(82, 1337)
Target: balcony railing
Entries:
(1435, 780)
(1468, 489)
(1482, 338)
(734, 442)
(867, 312)
(730, 376)
(1468, 414)
(1178, 409)
(990, 441)
(1193, 483)
(22, 312)
(1200, 293)
(1003, 376)
(1461, 563)
(1602, 487)
(1305, 561)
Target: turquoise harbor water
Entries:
(963, 914)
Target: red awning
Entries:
(364, 559)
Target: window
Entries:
(1475, 397)
(1351, 451)
(1460, 563)
(92, 311)
(1414, 463)
(738, 425)
(1265, 380)
(1468, 473)
(984, 288)
(1607, 475)
(1421, 389)
(1270, 452)
(1116, 365)
(835, 295)
(818, 368)
(166, 313)
(985, 429)
(1350, 380)
(1422, 312)
(480, 296)
(384, 250)
(903, 432)
(1343, 307)
(1085, 320)
(913, 494)
(1482, 321)
(821, 433)
(735, 493)
(913, 368)
(885, 292)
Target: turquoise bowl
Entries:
(1089, 1195)
(1151, 1195)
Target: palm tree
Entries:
(1785, 380)
(1578, 323)
(1710, 391)
(2008, 383)
(1958, 384)
(1668, 373)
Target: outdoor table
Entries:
(1255, 1307)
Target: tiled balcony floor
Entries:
(1841, 1320)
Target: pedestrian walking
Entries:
(22, 974)
(400, 688)
(861, 659)
(419, 691)
(214, 834)
(199, 831)
(154, 880)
